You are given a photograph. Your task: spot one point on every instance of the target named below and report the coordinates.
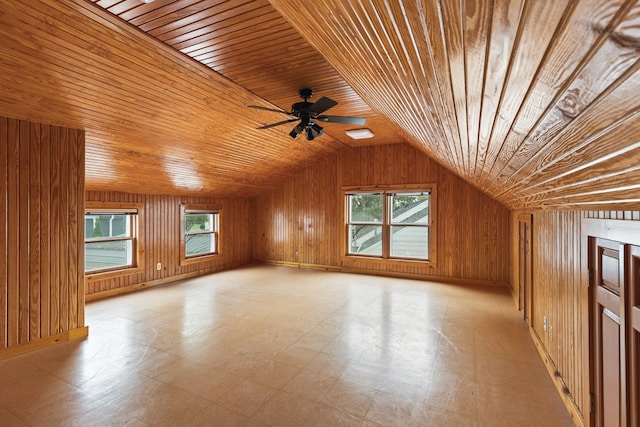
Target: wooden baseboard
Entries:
(556, 377)
(300, 265)
(439, 279)
(19, 349)
(144, 285)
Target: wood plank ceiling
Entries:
(534, 102)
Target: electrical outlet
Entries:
(544, 323)
(159, 266)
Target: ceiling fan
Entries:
(309, 113)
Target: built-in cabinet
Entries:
(585, 308)
(633, 332)
(614, 279)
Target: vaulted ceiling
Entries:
(534, 102)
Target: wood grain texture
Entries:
(160, 233)
(4, 255)
(560, 289)
(157, 121)
(526, 100)
(300, 221)
(559, 295)
(41, 292)
(531, 85)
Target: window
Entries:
(365, 223)
(110, 240)
(391, 224)
(200, 232)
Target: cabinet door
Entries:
(607, 266)
(633, 336)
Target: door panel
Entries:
(610, 368)
(610, 264)
(605, 260)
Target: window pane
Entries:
(199, 222)
(365, 239)
(106, 255)
(98, 227)
(410, 242)
(200, 244)
(365, 208)
(410, 208)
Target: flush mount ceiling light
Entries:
(146, 1)
(360, 133)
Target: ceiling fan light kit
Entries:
(309, 113)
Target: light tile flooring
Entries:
(265, 345)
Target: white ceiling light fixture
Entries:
(360, 133)
(146, 1)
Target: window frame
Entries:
(186, 209)
(137, 247)
(387, 224)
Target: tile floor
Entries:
(275, 346)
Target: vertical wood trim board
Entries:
(41, 192)
(299, 221)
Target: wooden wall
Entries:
(300, 221)
(41, 233)
(160, 239)
(560, 293)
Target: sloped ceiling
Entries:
(534, 102)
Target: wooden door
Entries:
(633, 307)
(525, 265)
(607, 269)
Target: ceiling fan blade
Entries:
(321, 105)
(278, 124)
(269, 109)
(342, 119)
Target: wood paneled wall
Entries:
(560, 293)
(161, 241)
(41, 233)
(300, 221)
